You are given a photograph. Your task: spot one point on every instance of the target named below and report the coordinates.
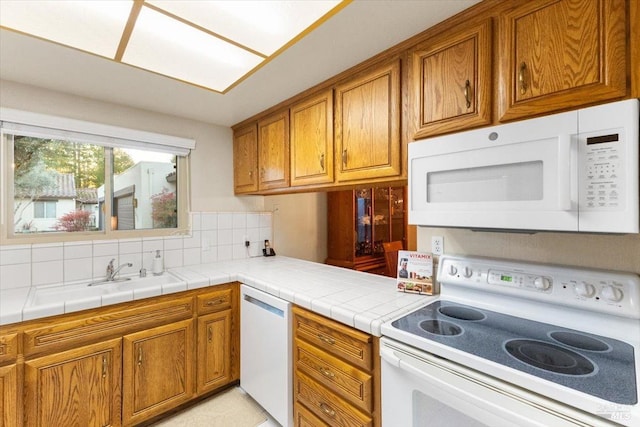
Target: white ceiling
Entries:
(361, 30)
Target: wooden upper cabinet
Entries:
(450, 81)
(79, 387)
(273, 151)
(312, 140)
(558, 55)
(367, 125)
(245, 159)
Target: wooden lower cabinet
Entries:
(326, 405)
(305, 418)
(9, 396)
(336, 373)
(79, 387)
(214, 350)
(119, 365)
(157, 370)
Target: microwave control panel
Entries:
(603, 169)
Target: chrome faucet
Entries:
(111, 272)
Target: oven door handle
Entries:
(390, 357)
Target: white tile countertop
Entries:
(361, 300)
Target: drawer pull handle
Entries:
(104, 366)
(214, 302)
(139, 356)
(327, 373)
(327, 409)
(467, 93)
(326, 339)
(210, 334)
(521, 78)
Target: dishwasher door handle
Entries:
(263, 305)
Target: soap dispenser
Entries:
(157, 264)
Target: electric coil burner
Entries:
(568, 334)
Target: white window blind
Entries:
(52, 127)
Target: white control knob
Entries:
(542, 283)
(584, 289)
(467, 272)
(452, 270)
(611, 293)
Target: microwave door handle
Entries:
(564, 172)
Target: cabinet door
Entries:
(450, 81)
(273, 151)
(214, 350)
(245, 160)
(157, 370)
(367, 125)
(312, 140)
(561, 54)
(9, 396)
(79, 387)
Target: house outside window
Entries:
(62, 181)
(45, 209)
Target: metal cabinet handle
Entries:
(322, 161)
(139, 356)
(327, 340)
(467, 93)
(262, 173)
(104, 366)
(210, 334)
(327, 409)
(326, 372)
(521, 78)
(344, 157)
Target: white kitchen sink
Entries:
(97, 288)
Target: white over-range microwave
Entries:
(575, 171)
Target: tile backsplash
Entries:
(215, 236)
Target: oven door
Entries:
(516, 176)
(423, 390)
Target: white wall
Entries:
(211, 164)
(299, 225)
(613, 252)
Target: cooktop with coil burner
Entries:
(596, 365)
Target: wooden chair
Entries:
(391, 257)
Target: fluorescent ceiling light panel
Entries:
(264, 26)
(167, 46)
(212, 44)
(92, 26)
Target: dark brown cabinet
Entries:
(360, 221)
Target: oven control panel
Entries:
(602, 291)
(526, 281)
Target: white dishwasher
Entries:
(265, 352)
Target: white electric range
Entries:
(512, 343)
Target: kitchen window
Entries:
(64, 179)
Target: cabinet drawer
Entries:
(326, 405)
(346, 343)
(85, 329)
(215, 301)
(339, 377)
(8, 347)
(304, 418)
